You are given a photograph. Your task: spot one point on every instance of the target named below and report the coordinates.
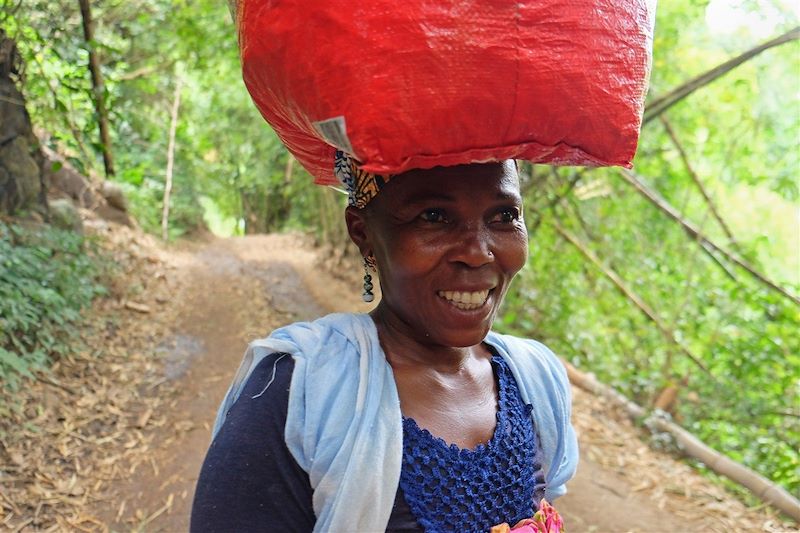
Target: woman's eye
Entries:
(434, 215)
(507, 215)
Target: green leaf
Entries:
(15, 362)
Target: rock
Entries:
(64, 215)
(65, 179)
(20, 177)
(113, 194)
(20, 159)
(112, 214)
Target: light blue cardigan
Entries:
(344, 425)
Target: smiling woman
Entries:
(447, 242)
(416, 416)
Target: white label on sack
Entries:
(334, 132)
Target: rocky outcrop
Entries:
(106, 200)
(64, 215)
(30, 172)
(22, 184)
(64, 181)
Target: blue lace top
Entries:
(453, 489)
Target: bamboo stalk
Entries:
(759, 486)
(697, 235)
(648, 312)
(173, 127)
(659, 105)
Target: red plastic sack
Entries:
(420, 83)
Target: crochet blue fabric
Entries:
(453, 489)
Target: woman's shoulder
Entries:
(334, 330)
(526, 351)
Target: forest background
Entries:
(676, 284)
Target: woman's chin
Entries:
(459, 325)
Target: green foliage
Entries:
(740, 136)
(46, 277)
(224, 151)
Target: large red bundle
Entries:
(420, 83)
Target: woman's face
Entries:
(447, 242)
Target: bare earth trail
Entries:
(235, 290)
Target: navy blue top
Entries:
(251, 482)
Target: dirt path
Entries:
(233, 291)
(238, 289)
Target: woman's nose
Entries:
(472, 247)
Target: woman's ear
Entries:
(356, 221)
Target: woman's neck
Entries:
(404, 347)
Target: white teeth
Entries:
(465, 300)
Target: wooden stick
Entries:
(668, 334)
(697, 235)
(762, 488)
(659, 105)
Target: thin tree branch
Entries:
(173, 127)
(697, 235)
(555, 200)
(648, 312)
(659, 105)
(145, 71)
(710, 254)
(12, 101)
(696, 179)
(781, 413)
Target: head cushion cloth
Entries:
(361, 186)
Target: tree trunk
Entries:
(173, 127)
(98, 88)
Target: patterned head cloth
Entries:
(361, 186)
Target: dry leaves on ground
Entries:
(69, 435)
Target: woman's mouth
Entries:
(465, 300)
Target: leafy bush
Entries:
(46, 277)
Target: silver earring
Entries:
(367, 296)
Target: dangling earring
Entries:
(367, 296)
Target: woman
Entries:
(415, 417)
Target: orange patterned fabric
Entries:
(361, 186)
